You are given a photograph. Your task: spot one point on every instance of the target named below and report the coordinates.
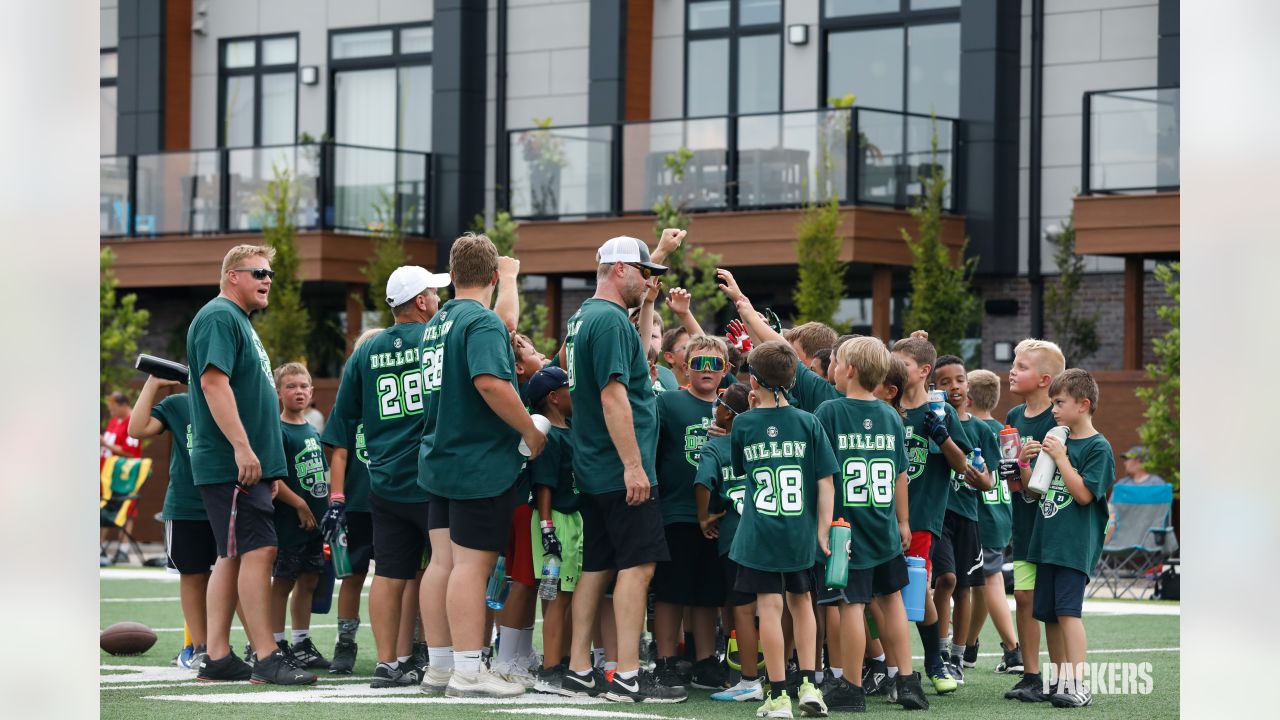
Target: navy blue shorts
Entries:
(1059, 592)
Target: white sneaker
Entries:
(515, 671)
(741, 692)
(481, 684)
(532, 662)
(435, 681)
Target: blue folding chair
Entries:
(1139, 539)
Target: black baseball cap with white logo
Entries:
(625, 249)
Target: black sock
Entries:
(749, 678)
(932, 644)
(808, 675)
(777, 688)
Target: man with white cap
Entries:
(382, 388)
(622, 524)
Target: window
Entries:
(258, 91)
(382, 85)
(733, 57)
(107, 70)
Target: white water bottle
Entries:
(544, 426)
(1042, 473)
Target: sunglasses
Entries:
(706, 363)
(258, 273)
(645, 272)
(720, 403)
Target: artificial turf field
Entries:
(148, 686)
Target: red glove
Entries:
(738, 336)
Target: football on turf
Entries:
(127, 638)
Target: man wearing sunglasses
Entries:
(237, 455)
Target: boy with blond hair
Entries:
(1066, 541)
(1035, 364)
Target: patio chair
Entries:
(1139, 540)
(121, 481)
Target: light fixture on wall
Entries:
(798, 34)
(1002, 351)
(309, 75)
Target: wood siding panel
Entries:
(1128, 224)
(177, 75)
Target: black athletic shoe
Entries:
(910, 694)
(666, 674)
(287, 652)
(643, 689)
(550, 680)
(874, 676)
(385, 676)
(588, 684)
(709, 674)
(970, 655)
(420, 658)
(1011, 661)
(277, 669)
(307, 654)
(227, 669)
(829, 683)
(1028, 689)
(953, 667)
(845, 696)
(344, 658)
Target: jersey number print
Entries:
(780, 491)
(868, 482)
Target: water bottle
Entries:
(977, 462)
(544, 426)
(914, 594)
(495, 595)
(838, 562)
(550, 585)
(322, 597)
(937, 399)
(1010, 448)
(341, 557)
(1042, 473)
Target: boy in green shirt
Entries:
(787, 460)
(302, 497)
(1067, 540)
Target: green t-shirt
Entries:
(1025, 512)
(341, 432)
(382, 391)
(783, 452)
(667, 379)
(811, 389)
(715, 472)
(221, 336)
(682, 430)
(995, 514)
(467, 451)
(603, 346)
(1069, 534)
(963, 500)
(870, 446)
(307, 479)
(928, 474)
(554, 469)
(181, 499)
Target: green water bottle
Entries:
(338, 553)
(838, 562)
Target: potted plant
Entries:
(544, 152)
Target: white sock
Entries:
(837, 673)
(879, 658)
(508, 644)
(441, 657)
(394, 664)
(404, 660)
(819, 676)
(610, 666)
(893, 671)
(628, 675)
(753, 682)
(300, 635)
(279, 636)
(525, 649)
(466, 661)
(597, 656)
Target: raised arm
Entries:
(759, 330)
(507, 306)
(141, 424)
(678, 301)
(669, 242)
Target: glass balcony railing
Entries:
(1131, 141)
(191, 192)
(728, 163)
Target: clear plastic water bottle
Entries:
(977, 463)
(495, 595)
(549, 588)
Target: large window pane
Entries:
(279, 103)
(361, 44)
(868, 64)
(759, 81)
(759, 12)
(707, 86)
(237, 125)
(416, 40)
(365, 107)
(239, 54)
(934, 58)
(415, 108)
(107, 120)
(280, 51)
(708, 15)
(931, 4)
(841, 8)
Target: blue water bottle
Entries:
(977, 460)
(495, 595)
(914, 594)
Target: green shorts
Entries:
(569, 532)
(1024, 575)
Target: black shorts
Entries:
(294, 560)
(479, 524)
(761, 582)
(399, 537)
(1059, 592)
(866, 584)
(255, 515)
(733, 597)
(189, 546)
(692, 577)
(959, 551)
(359, 541)
(617, 536)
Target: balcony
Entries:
(1130, 180)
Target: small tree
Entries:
(942, 300)
(1075, 330)
(121, 323)
(820, 282)
(690, 267)
(1160, 433)
(388, 254)
(534, 318)
(286, 324)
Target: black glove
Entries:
(334, 518)
(1008, 471)
(551, 543)
(935, 427)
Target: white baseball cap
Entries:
(625, 249)
(408, 282)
